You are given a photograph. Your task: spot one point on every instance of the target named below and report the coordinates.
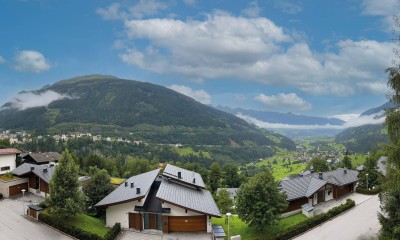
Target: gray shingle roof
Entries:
(44, 157)
(305, 186)
(381, 165)
(198, 200)
(38, 171)
(187, 176)
(126, 193)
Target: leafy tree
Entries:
(259, 201)
(65, 197)
(390, 195)
(346, 162)
(370, 169)
(318, 164)
(98, 186)
(4, 143)
(224, 202)
(215, 176)
(230, 176)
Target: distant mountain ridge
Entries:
(108, 105)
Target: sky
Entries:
(319, 58)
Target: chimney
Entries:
(32, 168)
(320, 175)
(138, 190)
(126, 184)
(132, 184)
(44, 169)
(179, 174)
(194, 180)
(345, 171)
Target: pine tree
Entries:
(346, 162)
(390, 195)
(65, 197)
(215, 176)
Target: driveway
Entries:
(361, 222)
(15, 226)
(131, 235)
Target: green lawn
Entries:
(86, 223)
(117, 181)
(238, 227)
(358, 159)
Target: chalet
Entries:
(175, 201)
(38, 177)
(41, 158)
(8, 158)
(315, 188)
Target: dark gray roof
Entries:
(218, 231)
(126, 193)
(305, 186)
(44, 157)
(35, 207)
(38, 170)
(187, 176)
(198, 200)
(381, 165)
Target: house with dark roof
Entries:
(315, 188)
(38, 177)
(174, 201)
(41, 158)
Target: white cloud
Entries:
(382, 8)
(255, 49)
(190, 2)
(27, 100)
(288, 6)
(143, 8)
(253, 10)
(198, 95)
(355, 122)
(2, 60)
(346, 117)
(281, 101)
(31, 61)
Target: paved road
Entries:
(358, 223)
(17, 227)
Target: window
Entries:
(5, 168)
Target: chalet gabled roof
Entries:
(127, 193)
(194, 199)
(187, 177)
(43, 157)
(38, 170)
(307, 185)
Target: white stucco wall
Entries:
(7, 160)
(120, 213)
(4, 185)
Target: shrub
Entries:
(113, 232)
(314, 221)
(368, 191)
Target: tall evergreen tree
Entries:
(215, 176)
(230, 176)
(65, 197)
(346, 162)
(390, 195)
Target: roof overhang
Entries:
(193, 210)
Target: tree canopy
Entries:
(65, 197)
(98, 186)
(224, 202)
(318, 165)
(259, 201)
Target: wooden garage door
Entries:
(16, 189)
(135, 221)
(187, 224)
(345, 189)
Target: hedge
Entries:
(76, 232)
(314, 221)
(368, 191)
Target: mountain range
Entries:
(107, 105)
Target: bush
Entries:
(314, 221)
(368, 191)
(113, 232)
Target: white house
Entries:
(8, 158)
(175, 201)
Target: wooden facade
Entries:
(296, 204)
(17, 189)
(187, 223)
